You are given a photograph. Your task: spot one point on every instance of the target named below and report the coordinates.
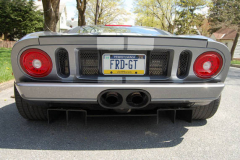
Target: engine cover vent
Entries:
(89, 61)
(158, 63)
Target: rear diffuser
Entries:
(173, 114)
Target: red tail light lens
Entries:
(36, 62)
(208, 65)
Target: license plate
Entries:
(123, 64)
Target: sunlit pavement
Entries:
(124, 138)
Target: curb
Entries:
(6, 85)
(235, 65)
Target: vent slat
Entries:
(63, 63)
(183, 64)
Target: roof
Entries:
(225, 33)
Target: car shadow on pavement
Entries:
(116, 133)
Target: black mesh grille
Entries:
(89, 62)
(183, 64)
(158, 63)
(63, 62)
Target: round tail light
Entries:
(208, 65)
(36, 63)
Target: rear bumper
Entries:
(201, 93)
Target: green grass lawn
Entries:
(5, 65)
(235, 62)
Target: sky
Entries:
(71, 8)
(128, 5)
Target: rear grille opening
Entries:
(88, 62)
(63, 62)
(158, 63)
(183, 64)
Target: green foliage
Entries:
(18, 18)
(110, 12)
(156, 13)
(5, 65)
(224, 14)
(188, 20)
(179, 16)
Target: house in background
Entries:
(237, 50)
(225, 36)
(72, 23)
(62, 23)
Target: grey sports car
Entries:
(121, 69)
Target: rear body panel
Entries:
(81, 89)
(88, 92)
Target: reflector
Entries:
(37, 63)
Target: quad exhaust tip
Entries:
(137, 99)
(124, 99)
(111, 99)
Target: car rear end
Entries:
(119, 72)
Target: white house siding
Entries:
(213, 37)
(237, 50)
(228, 43)
(63, 18)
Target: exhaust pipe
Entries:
(123, 100)
(137, 99)
(111, 99)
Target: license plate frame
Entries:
(138, 67)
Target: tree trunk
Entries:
(96, 14)
(234, 45)
(51, 14)
(81, 7)
(5, 36)
(81, 19)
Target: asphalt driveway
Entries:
(124, 138)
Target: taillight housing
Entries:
(208, 65)
(36, 62)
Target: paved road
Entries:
(124, 138)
